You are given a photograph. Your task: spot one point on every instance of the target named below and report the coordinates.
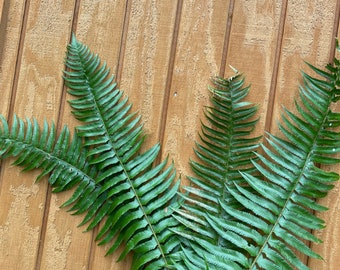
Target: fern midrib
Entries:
(121, 163)
(227, 168)
(305, 165)
(229, 155)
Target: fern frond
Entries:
(139, 210)
(63, 159)
(277, 208)
(226, 148)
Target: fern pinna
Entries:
(243, 210)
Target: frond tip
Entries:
(226, 149)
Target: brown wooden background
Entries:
(163, 53)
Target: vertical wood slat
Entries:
(144, 65)
(306, 37)
(198, 53)
(103, 22)
(10, 29)
(146, 58)
(330, 236)
(142, 71)
(1, 8)
(255, 31)
(37, 91)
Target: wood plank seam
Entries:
(4, 6)
(43, 230)
(1, 8)
(123, 39)
(335, 32)
(227, 38)
(167, 90)
(18, 61)
(16, 73)
(273, 83)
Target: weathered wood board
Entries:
(163, 54)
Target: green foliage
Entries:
(115, 181)
(273, 208)
(242, 210)
(225, 150)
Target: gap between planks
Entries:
(16, 71)
(43, 230)
(227, 38)
(273, 83)
(167, 90)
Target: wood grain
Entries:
(10, 31)
(102, 24)
(331, 234)
(163, 54)
(255, 30)
(146, 60)
(1, 8)
(306, 37)
(198, 54)
(36, 88)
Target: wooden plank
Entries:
(13, 200)
(99, 26)
(10, 28)
(142, 75)
(1, 8)
(198, 56)
(330, 248)
(253, 43)
(305, 38)
(37, 94)
(144, 58)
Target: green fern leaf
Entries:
(226, 148)
(137, 196)
(276, 212)
(65, 161)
